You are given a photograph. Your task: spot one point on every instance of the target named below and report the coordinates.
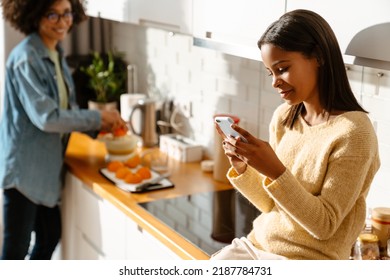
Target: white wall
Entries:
(219, 83)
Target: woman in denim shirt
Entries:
(39, 113)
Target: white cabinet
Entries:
(236, 22)
(172, 15)
(117, 10)
(68, 215)
(141, 245)
(346, 17)
(94, 229)
(100, 224)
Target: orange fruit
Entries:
(113, 166)
(119, 132)
(133, 178)
(122, 172)
(133, 161)
(144, 172)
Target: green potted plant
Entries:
(107, 78)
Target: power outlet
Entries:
(185, 107)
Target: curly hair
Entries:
(25, 15)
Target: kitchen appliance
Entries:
(127, 101)
(208, 220)
(147, 121)
(371, 46)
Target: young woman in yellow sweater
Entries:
(312, 178)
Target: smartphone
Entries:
(225, 124)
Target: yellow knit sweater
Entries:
(316, 208)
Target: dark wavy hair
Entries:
(308, 33)
(24, 15)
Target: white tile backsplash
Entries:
(170, 66)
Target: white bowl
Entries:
(120, 146)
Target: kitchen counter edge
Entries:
(85, 157)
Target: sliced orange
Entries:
(122, 172)
(119, 132)
(144, 172)
(133, 178)
(113, 166)
(133, 161)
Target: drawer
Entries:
(101, 223)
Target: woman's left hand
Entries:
(256, 153)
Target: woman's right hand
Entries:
(111, 120)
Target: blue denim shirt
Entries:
(32, 124)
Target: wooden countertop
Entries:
(85, 157)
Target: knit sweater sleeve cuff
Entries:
(234, 177)
(274, 186)
(250, 185)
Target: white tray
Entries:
(164, 183)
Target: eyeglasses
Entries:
(55, 18)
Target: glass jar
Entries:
(366, 247)
(381, 227)
(388, 248)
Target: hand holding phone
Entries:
(225, 124)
